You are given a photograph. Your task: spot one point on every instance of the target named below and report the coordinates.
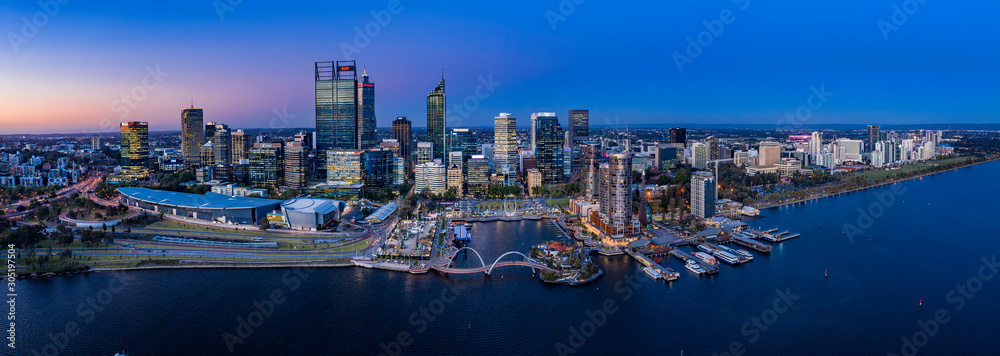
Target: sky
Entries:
(78, 67)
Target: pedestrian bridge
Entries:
(527, 262)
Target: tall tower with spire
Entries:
(436, 129)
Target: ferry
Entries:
(706, 248)
(652, 273)
(727, 257)
(746, 254)
(705, 257)
(694, 267)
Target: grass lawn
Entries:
(882, 174)
(558, 202)
(496, 205)
(182, 226)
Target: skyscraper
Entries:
(534, 126)
(296, 159)
(241, 145)
(678, 135)
(266, 164)
(192, 136)
(703, 194)
(616, 189)
(436, 130)
(223, 140)
(462, 140)
(478, 178)
(505, 141)
(873, 137)
(424, 153)
(579, 125)
(211, 127)
(135, 150)
(548, 147)
(345, 166)
(401, 132)
(769, 154)
(378, 168)
(366, 112)
(336, 109)
(815, 146)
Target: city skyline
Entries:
(894, 78)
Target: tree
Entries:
(66, 254)
(263, 224)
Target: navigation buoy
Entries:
(920, 303)
(824, 273)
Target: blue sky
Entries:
(246, 62)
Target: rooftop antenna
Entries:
(192, 103)
(442, 71)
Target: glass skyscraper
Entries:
(505, 141)
(366, 113)
(436, 130)
(462, 140)
(192, 136)
(336, 109)
(135, 150)
(549, 148)
(401, 132)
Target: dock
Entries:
(753, 245)
(741, 257)
(653, 269)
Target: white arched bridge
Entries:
(527, 262)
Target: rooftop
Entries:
(207, 201)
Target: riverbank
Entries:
(874, 185)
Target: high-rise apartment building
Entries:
(430, 177)
(616, 189)
(296, 159)
(815, 146)
(241, 145)
(703, 194)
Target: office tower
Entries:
(815, 146)
(266, 164)
(462, 140)
(305, 138)
(668, 155)
(401, 132)
(505, 141)
(486, 149)
(390, 144)
(366, 112)
(567, 163)
(456, 179)
(208, 154)
(703, 194)
(548, 136)
(873, 137)
(742, 158)
(296, 164)
(345, 166)
(678, 135)
(769, 154)
(241, 145)
(398, 171)
(478, 178)
(430, 178)
(534, 178)
(424, 153)
(616, 189)
(135, 150)
(211, 128)
(700, 154)
(336, 109)
(455, 158)
(192, 136)
(579, 125)
(96, 144)
(378, 168)
(436, 130)
(534, 126)
(223, 141)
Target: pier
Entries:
(657, 271)
(754, 245)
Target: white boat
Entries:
(652, 273)
(727, 257)
(694, 267)
(670, 275)
(746, 254)
(706, 258)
